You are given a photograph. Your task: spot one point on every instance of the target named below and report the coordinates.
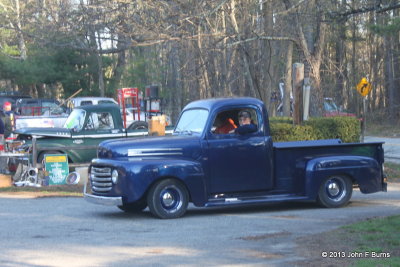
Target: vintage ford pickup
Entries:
(199, 164)
(83, 130)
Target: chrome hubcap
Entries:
(171, 199)
(168, 199)
(333, 189)
(336, 189)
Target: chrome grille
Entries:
(100, 179)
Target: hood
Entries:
(151, 147)
(51, 132)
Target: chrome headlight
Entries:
(114, 176)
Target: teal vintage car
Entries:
(83, 130)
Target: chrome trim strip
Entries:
(102, 135)
(99, 179)
(108, 201)
(154, 152)
(138, 134)
(157, 149)
(97, 185)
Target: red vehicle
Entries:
(331, 109)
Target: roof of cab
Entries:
(91, 108)
(213, 103)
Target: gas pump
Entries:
(129, 97)
(153, 102)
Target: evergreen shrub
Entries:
(348, 129)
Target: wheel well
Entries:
(350, 177)
(346, 175)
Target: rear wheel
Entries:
(168, 199)
(335, 191)
(137, 125)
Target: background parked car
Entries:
(83, 101)
(38, 107)
(11, 97)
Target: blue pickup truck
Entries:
(207, 167)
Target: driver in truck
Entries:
(246, 124)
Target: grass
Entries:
(380, 237)
(392, 171)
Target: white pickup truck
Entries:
(55, 116)
(39, 113)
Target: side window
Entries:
(85, 103)
(228, 121)
(105, 120)
(105, 102)
(224, 122)
(100, 121)
(93, 122)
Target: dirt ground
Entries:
(339, 240)
(310, 247)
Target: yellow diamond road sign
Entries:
(364, 87)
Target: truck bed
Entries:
(291, 159)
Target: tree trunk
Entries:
(268, 61)
(390, 84)
(21, 40)
(288, 80)
(204, 82)
(340, 62)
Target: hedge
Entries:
(348, 129)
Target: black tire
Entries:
(168, 199)
(134, 207)
(137, 125)
(41, 155)
(335, 192)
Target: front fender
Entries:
(137, 176)
(364, 171)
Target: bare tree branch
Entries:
(378, 8)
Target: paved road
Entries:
(71, 232)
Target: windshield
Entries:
(330, 106)
(75, 119)
(192, 121)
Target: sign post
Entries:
(363, 88)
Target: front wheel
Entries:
(335, 191)
(168, 199)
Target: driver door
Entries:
(99, 127)
(239, 163)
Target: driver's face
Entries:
(244, 120)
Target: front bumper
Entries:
(108, 201)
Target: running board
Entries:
(231, 201)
